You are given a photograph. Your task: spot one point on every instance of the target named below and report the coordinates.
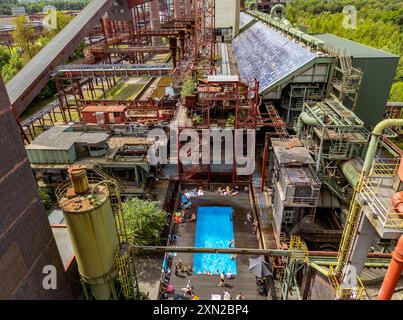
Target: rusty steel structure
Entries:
(224, 103)
(205, 43)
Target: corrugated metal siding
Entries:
(38, 156)
(378, 74)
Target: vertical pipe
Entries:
(177, 9)
(155, 21)
(266, 143)
(393, 274)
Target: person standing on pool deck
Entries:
(222, 279)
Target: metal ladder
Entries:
(124, 259)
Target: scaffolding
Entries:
(346, 81)
(332, 133)
(298, 95)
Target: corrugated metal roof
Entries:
(356, 49)
(104, 109)
(266, 54)
(62, 138)
(222, 78)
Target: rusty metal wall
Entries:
(317, 286)
(27, 244)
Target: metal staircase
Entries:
(307, 220)
(336, 189)
(104, 173)
(298, 259)
(357, 290)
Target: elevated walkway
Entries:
(80, 71)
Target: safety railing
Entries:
(385, 167)
(342, 292)
(298, 249)
(380, 205)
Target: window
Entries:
(288, 216)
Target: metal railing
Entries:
(342, 292)
(381, 206)
(385, 167)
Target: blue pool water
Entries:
(214, 229)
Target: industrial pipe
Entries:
(350, 172)
(373, 145)
(393, 274)
(305, 118)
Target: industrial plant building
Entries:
(324, 198)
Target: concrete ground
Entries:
(148, 269)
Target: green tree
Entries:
(144, 221)
(24, 35)
(5, 56)
(14, 65)
(188, 87)
(47, 201)
(396, 93)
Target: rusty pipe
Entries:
(393, 274)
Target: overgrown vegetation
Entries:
(230, 120)
(47, 201)
(32, 7)
(145, 221)
(26, 45)
(379, 25)
(197, 119)
(188, 87)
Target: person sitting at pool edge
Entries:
(192, 218)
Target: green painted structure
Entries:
(378, 69)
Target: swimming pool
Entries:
(214, 229)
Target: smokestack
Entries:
(29, 258)
(155, 21)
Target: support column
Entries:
(155, 21)
(366, 237)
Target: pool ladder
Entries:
(231, 217)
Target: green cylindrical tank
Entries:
(91, 226)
